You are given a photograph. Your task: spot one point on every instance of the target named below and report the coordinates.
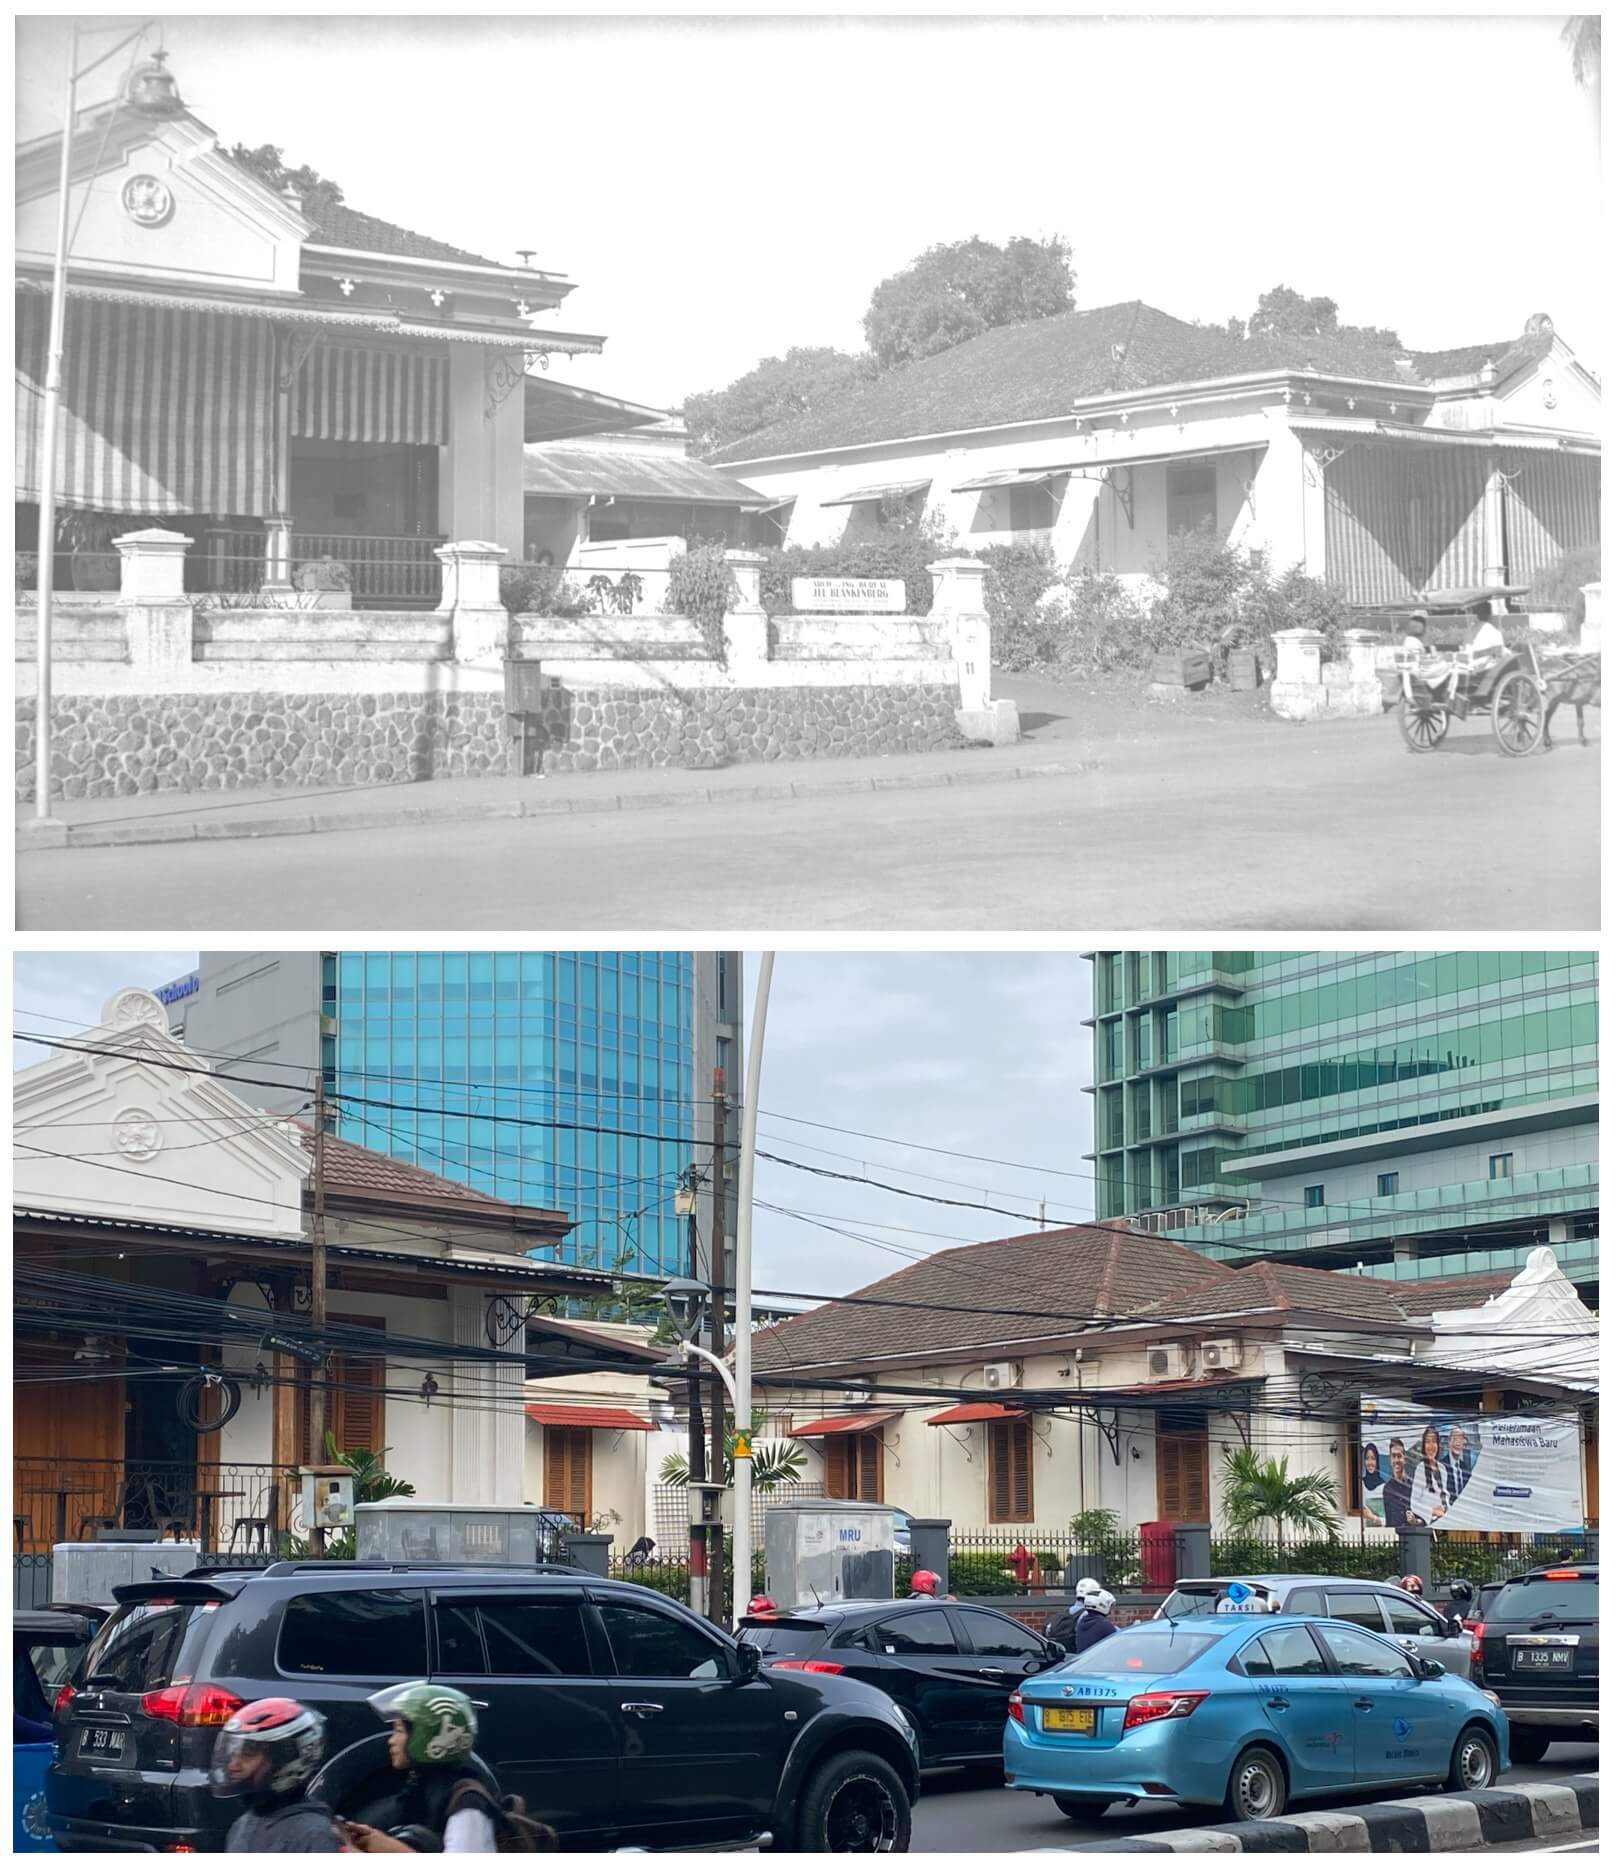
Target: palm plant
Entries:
(372, 1481)
(774, 1462)
(1258, 1491)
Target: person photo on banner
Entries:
(1428, 1500)
(1372, 1473)
(1458, 1462)
(1396, 1490)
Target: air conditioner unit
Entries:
(1001, 1376)
(1222, 1354)
(1168, 1360)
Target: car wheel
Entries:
(854, 1802)
(1474, 1764)
(1081, 1808)
(1258, 1786)
(1528, 1745)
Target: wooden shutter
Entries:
(869, 1451)
(1011, 1471)
(356, 1409)
(568, 1476)
(1182, 1477)
(835, 1449)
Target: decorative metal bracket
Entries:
(1123, 493)
(1033, 1426)
(502, 1321)
(505, 371)
(295, 349)
(1316, 459)
(1110, 1431)
(1319, 1391)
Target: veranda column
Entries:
(1494, 523)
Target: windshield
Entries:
(1143, 1649)
(1197, 1599)
(139, 1648)
(779, 1638)
(1545, 1597)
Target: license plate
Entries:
(1542, 1658)
(1068, 1721)
(102, 1743)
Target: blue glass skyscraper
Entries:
(578, 1081)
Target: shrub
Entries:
(703, 587)
(1204, 594)
(983, 1574)
(901, 550)
(540, 591)
(1092, 625)
(1558, 586)
(1019, 578)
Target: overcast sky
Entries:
(981, 1054)
(722, 189)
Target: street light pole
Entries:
(49, 417)
(742, 1571)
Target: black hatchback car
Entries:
(1537, 1647)
(951, 1666)
(619, 1715)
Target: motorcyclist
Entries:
(924, 1583)
(1063, 1628)
(441, 1806)
(266, 1753)
(1096, 1622)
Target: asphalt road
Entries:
(1189, 820)
(957, 1813)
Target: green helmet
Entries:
(440, 1722)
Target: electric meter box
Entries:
(827, 1549)
(86, 1572)
(399, 1531)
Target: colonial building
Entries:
(1104, 433)
(166, 1353)
(1015, 1383)
(280, 380)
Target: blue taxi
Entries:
(1247, 1713)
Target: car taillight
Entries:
(1161, 1705)
(808, 1666)
(195, 1704)
(1014, 1707)
(1477, 1630)
(1559, 1574)
(63, 1696)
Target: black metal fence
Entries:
(226, 1504)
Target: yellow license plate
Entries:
(1069, 1720)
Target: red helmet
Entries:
(760, 1606)
(926, 1582)
(291, 1736)
(1411, 1583)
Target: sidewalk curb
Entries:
(1551, 1809)
(94, 836)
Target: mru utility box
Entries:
(827, 1551)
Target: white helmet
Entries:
(1085, 1589)
(1103, 1601)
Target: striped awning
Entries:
(350, 393)
(162, 410)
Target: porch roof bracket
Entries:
(1123, 491)
(1110, 1431)
(963, 1440)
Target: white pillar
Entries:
(1494, 525)
(153, 565)
(479, 626)
(1590, 631)
(1297, 655)
(747, 624)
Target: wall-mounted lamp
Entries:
(429, 1387)
(1134, 1452)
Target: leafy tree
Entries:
(1258, 1491)
(957, 291)
(774, 1462)
(1281, 312)
(1582, 37)
(774, 390)
(318, 194)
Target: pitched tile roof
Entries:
(1020, 373)
(343, 226)
(555, 470)
(992, 1292)
(1276, 1285)
(353, 1169)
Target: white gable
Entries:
(133, 1138)
(1539, 1326)
(164, 207)
(1556, 393)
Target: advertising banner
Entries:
(1462, 1471)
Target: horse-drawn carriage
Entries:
(1506, 673)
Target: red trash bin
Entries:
(1157, 1554)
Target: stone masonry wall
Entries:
(114, 746)
(607, 729)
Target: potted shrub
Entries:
(327, 581)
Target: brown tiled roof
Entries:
(1020, 373)
(343, 226)
(1275, 1285)
(1080, 1272)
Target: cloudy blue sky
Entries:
(949, 1057)
(724, 188)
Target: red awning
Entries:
(843, 1424)
(586, 1415)
(977, 1412)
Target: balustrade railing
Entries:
(224, 1505)
(382, 571)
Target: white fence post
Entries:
(958, 604)
(747, 624)
(479, 626)
(157, 612)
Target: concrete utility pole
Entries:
(696, 1458)
(317, 1278)
(716, 1335)
(742, 1582)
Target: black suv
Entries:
(1537, 1648)
(951, 1666)
(619, 1715)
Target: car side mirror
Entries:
(1456, 1626)
(1054, 1653)
(749, 1661)
(1431, 1671)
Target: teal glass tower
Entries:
(1415, 1114)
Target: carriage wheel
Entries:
(1423, 724)
(1519, 715)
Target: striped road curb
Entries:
(207, 829)
(1558, 1808)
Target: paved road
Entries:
(1193, 817)
(956, 1814)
